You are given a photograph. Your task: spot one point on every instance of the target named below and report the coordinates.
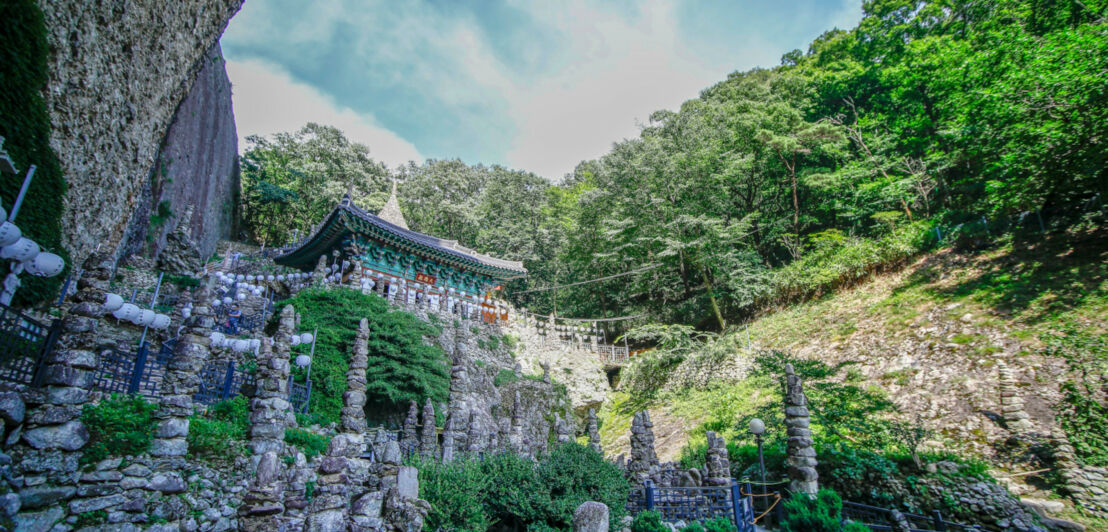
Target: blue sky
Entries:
(534, 85)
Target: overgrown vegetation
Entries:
(25, 126)
(120, 425)
(822, 513)
(221, 432)
(402, 367)
(309, 443)
(1084, 408)
(516, 493)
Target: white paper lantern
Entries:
(240, 296)
(227, 301)
(250, 278)
(112, 302)
(281, 278)
(186, 312)
(145, 318)
(216, 302)
(306, 338)
(270, 278)
(21, 250)
(161, 321)
(294, 340)
(303, 360)
(45, 265)
(9, 234)
(126, 312)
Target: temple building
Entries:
(384, 256)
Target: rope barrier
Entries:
(555, 287)
(776, 499)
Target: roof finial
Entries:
(391, 211)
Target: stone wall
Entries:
(118, 70)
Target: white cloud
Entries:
(625, 70)
(267, 101)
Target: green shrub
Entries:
(505, 376)
(309, 443)
(181, 281)
(820, 514)
(91, 519)
(648, 521)
(402, 367)
(719, 524)
(575, 474)
(493, 343)
(222, 431)
(120, 425)
(694, 526)
(516, 493)
(455, 491)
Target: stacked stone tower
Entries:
(800, 456)
(182, 379)
(644, 460)
(1011, 404)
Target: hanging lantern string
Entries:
(597, 280)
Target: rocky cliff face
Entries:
(118, 71)
(196, 167)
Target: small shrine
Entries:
(398, 262)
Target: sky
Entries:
(539, 85)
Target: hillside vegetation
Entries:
(904, 362)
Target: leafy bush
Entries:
(719, 524)
(455, 491)
(221, 432)
(120, 425)
(505, 376)
(1084, 413)
(402, 367)
(820, 514)
(91, 519)
(648, 521)
(181, 281)
(310, 443)
(516, 493)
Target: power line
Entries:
(545, 288)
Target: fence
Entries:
(220, 381)
(694, 503)
(880, 519)
(24, 346)
(120, 371)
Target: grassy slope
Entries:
(929, 335)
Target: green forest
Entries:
(772, 185)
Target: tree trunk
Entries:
(712, 298)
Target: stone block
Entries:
(407, 482)
(174, 427)
(12, 409)
(81, 506)
(66, 376)
(169, 482)
(40, 496)
(170, 447)
(44, 520)
(591, 517)
(136, 470)
(66, 395)
(69, 436)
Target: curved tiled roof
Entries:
(451, 248)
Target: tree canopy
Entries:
(774, 182)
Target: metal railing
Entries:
(880, 519)
(220, 381)
(24, 345)
(120, 371)
(695, 503)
